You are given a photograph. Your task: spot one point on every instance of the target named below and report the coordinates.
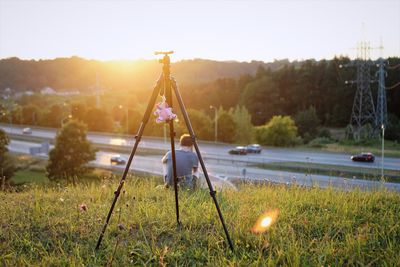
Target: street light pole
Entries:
(127, 119)
(383, 148)
(215, 121)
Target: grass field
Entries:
(392, 149)
(373, 174)
(45, 226)
(29, 176)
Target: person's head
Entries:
(186, 140)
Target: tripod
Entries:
(164, 85)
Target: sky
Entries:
(219, 30)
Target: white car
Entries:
(118, 160)
(27, 131)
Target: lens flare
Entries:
(265, 221)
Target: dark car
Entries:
(117, 160)
(365, 157)
(239, 150)
(254, 148)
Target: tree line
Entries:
(313, 93)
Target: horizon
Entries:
(220, 31)
(172, 60)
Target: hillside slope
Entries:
(60, 226)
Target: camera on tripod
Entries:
(165, 59)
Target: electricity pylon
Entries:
(363, 116)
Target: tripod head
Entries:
(165, 60)
(166, 67)
(163, 53)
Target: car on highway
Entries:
(239, 150)
(27, 131)
(365, 157)
(254, 148)
(118, 160)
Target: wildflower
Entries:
(265, 245)
(83, 207)
(121, 226)
(61, 199)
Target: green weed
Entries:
(46, 226)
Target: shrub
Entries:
(71, 153)
(320, 142)
(324, 132)
(307, 123)
(7, 166)
(279, 131)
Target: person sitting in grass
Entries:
(186, 165)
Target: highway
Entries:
(222, 172)
(220, 151)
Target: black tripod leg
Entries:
(138, 136)
(172, 135)
(191, 132)
(168, 94)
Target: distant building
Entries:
(66, 93)
(48, 91)
(28, 93)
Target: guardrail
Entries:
(108, 134)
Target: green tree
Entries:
(30, 114)
(261, 98)
(201, 124)
(393, 128)
(98, 120)
(52, 117)
(244, 127)
(134, 120)
(71, 153)
(16, 114)
(7, 167)
(78, 111)
(226, 126)
(279, 131)
(307, 123)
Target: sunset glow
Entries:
(220, 30)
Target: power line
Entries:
(393, 67)
(393, 86)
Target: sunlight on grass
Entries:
(49, 226)
(265, 221)
(29, 176)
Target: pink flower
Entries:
(83, 207)
(121, 226)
